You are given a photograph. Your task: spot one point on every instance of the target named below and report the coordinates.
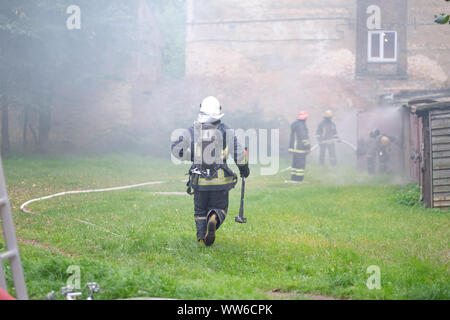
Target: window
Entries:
(382, 46)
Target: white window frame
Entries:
(380, 59)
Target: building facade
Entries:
(286, 55)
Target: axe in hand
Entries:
(240, 218)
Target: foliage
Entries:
(408, 195)
(171, 16)
(253, 117)
(41, 57)
(41, 61)
(442, 18)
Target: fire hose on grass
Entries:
(24, 205)
(352, 146)
(239, 219)
(24, 209)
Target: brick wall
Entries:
(285, 55)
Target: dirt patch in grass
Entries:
(278, 294)
(36, 244)
(321, 297)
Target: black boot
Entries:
(200, 223)
(211, 228)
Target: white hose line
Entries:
(349, 144)
(289, 168)
(98, 227)
(24, 205)
(284, 170)
(171, 193)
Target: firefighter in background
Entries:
(383, 153)
(327, 137)
(299, 146)
(378, 149)
(210, 179)
(372, 150)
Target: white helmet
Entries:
(210, 110)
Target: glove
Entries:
(244, 171)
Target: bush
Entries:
(409, 195)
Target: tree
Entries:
(443, 18)
(39, 55)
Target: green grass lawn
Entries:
(318, 238)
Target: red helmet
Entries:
(303, 115)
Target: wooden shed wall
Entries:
(440, 144)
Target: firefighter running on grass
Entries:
(207, 144)
(299, 146)
(327, 137)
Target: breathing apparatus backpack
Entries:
(210, 170)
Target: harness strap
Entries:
(196, 172)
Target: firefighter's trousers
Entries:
(331, 152)
(298, 166)
(207, 203)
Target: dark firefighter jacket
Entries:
(299, 142)
(217, 177)
(377, 148)
(326, 130)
